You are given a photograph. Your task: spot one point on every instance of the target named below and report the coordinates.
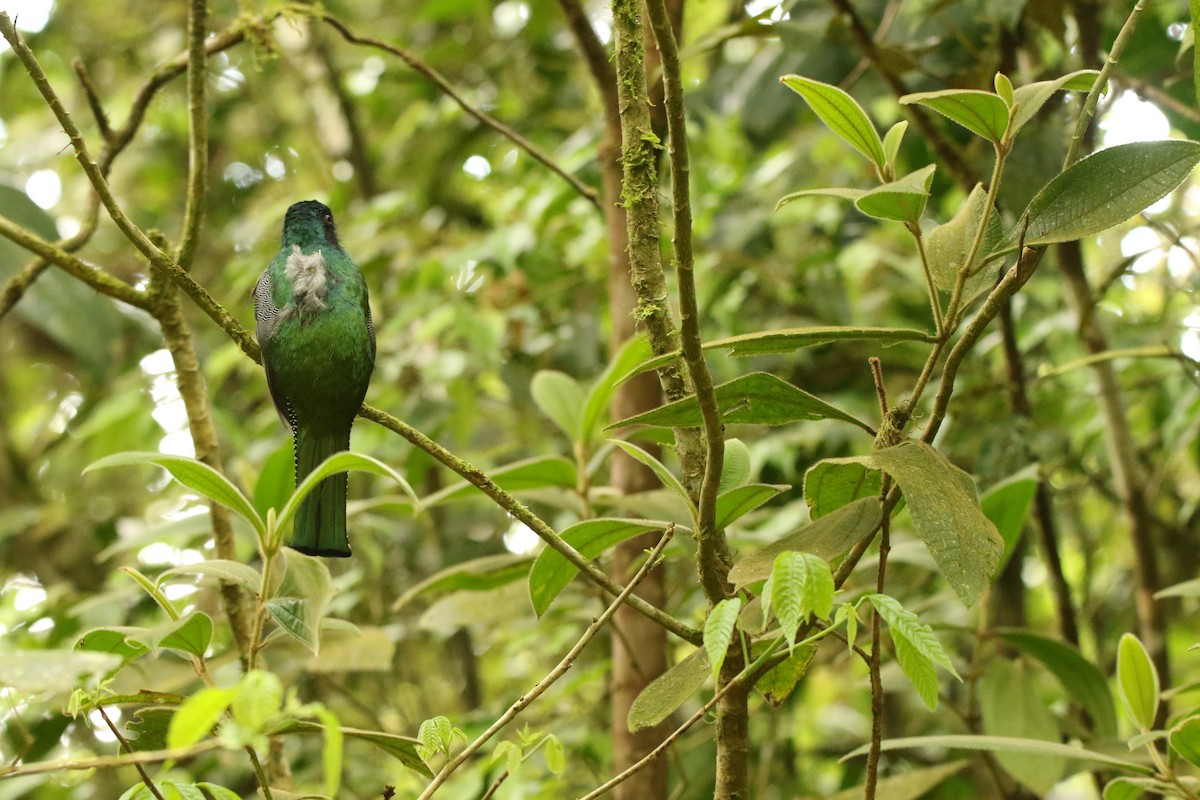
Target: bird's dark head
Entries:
(308, 223)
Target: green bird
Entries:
(318, 348)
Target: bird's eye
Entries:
(329, 217)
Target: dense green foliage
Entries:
(487, 274)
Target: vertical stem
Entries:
(197, 81)
(885, 547)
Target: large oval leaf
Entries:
(982, 113)
(841, 113)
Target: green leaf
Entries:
(561, 398)
(508, 753)
(1033, 96)
(738, 502)
(755, 399)
(1082, 681)
(831, 191)
(1001, 744)
(556, 759)
(291, 616)
(1004, 88)
(948, 246)
(1137, 681)
(911, 785)
(1011, 705)
(331, 750)
(148, 727)
(669, 691)
(834, 482)
(338, 463)
(194, 475)
(54, 671)
(303, 598)
(632, 353)
(1105, 189)
(1185, 589)
(917, 648)
(982, 113)
(719, 628)
(892, 140)
(735, 470)
(195, 719)
(477, 575)
(1007, 505)
(402, 748)
(826, 538)
(1124, 789)
(276, 480)
(551, 572)
(902, 200)
(1185, 740)
(531, 473)
(191, 634)
(842, 114)
(660, 469)
(801, 586)
(258, 699)
(781, 679)
(222, 569)
(941, 499)
(113, 640)
(218, 792)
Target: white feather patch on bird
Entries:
(309, 278)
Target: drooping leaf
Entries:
(402, 748)
(1137, 681)
(478, 574)
(827, 538)
(779, 681)
(982, 113)
(948, 246)
(302, 598)
(1082, 681)
(834, 482)
(941, 499)
(1011, 705)
(1007, 505)
(719, 628)
(738, 502)
(842, 114)
(556, 757)
(1002, 744)
(755, 399)
(531, 473)
(562, 399)
(195, 475)
(1033, 96)
(902, 200)
(1105, 189)
(551, 572)
(917, 647)
(892, 140)
(669, 691)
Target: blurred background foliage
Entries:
(484, 268)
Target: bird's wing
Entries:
(266, 315)
(370, 324)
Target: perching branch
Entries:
(197, 81)
(110, 762)
(559, 670)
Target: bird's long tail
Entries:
(320, 528)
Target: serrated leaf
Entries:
(551, 572)
(738, 502)
(507, 753)
(562, 399)
(1104, 190)
(917, 647)
(842, 114)
(1137, 681)
(718, 631)
(982, 113)
(1031, 97)
(1185, 740)
(801, 586)
(195, 719)
(902, 200)
(735, 471)
(194, 475)
(755, 399)
(477, 575)
(531, 473)
(948, 245)
(1010, 705)
(222, 569)
(1001, 744)
(1082, 681)
(834, 482)
(779, 681)
(941, 499)
(669, 691)
(827, 538)
(336, 464)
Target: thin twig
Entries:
(129, 749)
(197, 184)
(559, 670)
(448, 89)
(111, 762)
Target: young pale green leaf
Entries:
(258, 699)
(435, 734)
(831, 191)
(781, 679)
(801, 587)
(947, 247)
(669, 691)
(834, 482)
(195, 719)
(1033, 96)
(1079, 677)
(917, 648)
(826, 538)
(842, 114)
(556, 758)
(531, 473)
(1007, 505)
(1104, 190)
(755, 399)
(1137, 681)
(902, 200)
(1011, 705)
(1002, 744)
(735, 471)
(195, 475)
(982, 113)
(719, 629)
(508, 753)
(336, 463)
(1004, 88)
(632, 353)
(660, 469)
(562, 399)
(735, 503)
(1185, 740)
(551, 572)
(331, 749)
(919, 670)
(892, 140)
(222, 569)
(941, 499)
